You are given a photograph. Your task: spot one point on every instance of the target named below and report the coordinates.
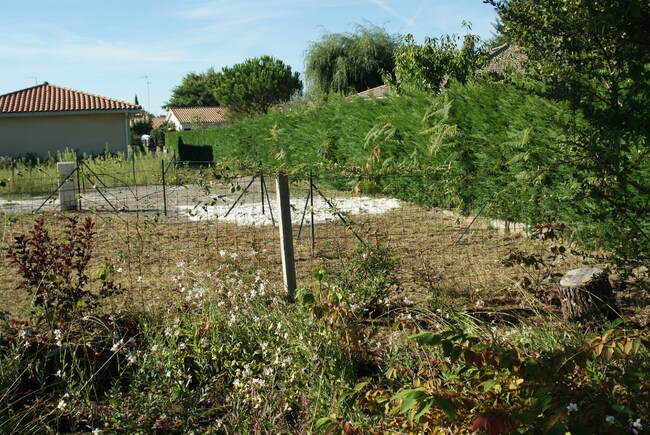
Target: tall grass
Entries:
(25, 177)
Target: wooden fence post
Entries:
(286, 236)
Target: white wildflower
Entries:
(637, 424)
(180, 264)
(96, 431)
(234, 255)
(610, 419)
(119, 270)
(572, 407)
(117, 346)
(268, 371)
(236, 383)
(62, 404)
(57, 336)
(222, 253)
(131, 359)
(154, 348)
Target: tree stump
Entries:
(586, 293)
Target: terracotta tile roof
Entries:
(207, 114)
(157, 121)
(51, 98)
(378, 92)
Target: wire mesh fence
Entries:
(204, 215)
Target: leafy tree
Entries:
(426, 67)
(158, 134)
(255, 85)
(594, 54)
(195, 90)
(350, 62)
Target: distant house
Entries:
(377, 92)
(504, 60)
(188, 118)
(47, 118)
(158, 121)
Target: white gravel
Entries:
(250, 213)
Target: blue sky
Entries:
(108, 47)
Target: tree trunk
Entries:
(586, 293)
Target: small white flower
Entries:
(234, 255)
(180, 264)
(168, 332)
(168, 374)
(96, 431)
(119, 270)
(573, 407)
(236, 383)
(139, 278)
(222, 253)
(154, 348)
(182, 346)
(61, 404)
(219, 423)
(610, 419)
(131, 359)
(268, 371)
(637, 424)
(117, 346)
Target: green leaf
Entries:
(447, 407)
(558, 429)
(424, 408)
(326, 424)
(487, 385)
(427, 338)
(410, 398)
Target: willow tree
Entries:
(350, 62)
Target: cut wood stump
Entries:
(586, 293)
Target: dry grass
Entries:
(433, 265)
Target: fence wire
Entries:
(191, 219)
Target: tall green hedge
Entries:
(476, 144)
